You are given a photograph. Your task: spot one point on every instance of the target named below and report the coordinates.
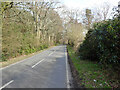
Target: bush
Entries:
(3, 58)
(102, 43)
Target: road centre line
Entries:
(37, 63)
(15, 63)
(6, 84)
(51, 53)
(2, 68)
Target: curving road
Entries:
(48, 69)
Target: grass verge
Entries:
(91, 75)
(19, 58)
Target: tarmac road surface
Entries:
(48, 69)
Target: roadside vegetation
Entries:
(92, 74)
(97, 58)
(28, 27)
(102, 42)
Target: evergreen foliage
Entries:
(102, 43)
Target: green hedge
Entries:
(102, 43)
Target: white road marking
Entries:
(15, 63)
(50, 54)
(6, 84)
(37, 63)
(68, 86)
(21, 61)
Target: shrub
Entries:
(102, 43)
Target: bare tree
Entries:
(102, 12)
(73, 33)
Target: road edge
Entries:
(68, 71)
(19, 61)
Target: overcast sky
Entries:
(87, 3)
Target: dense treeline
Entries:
(29, 27)
(102, 43)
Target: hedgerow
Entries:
(102, 43)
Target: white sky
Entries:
(87, 3)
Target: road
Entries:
(48, 69)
